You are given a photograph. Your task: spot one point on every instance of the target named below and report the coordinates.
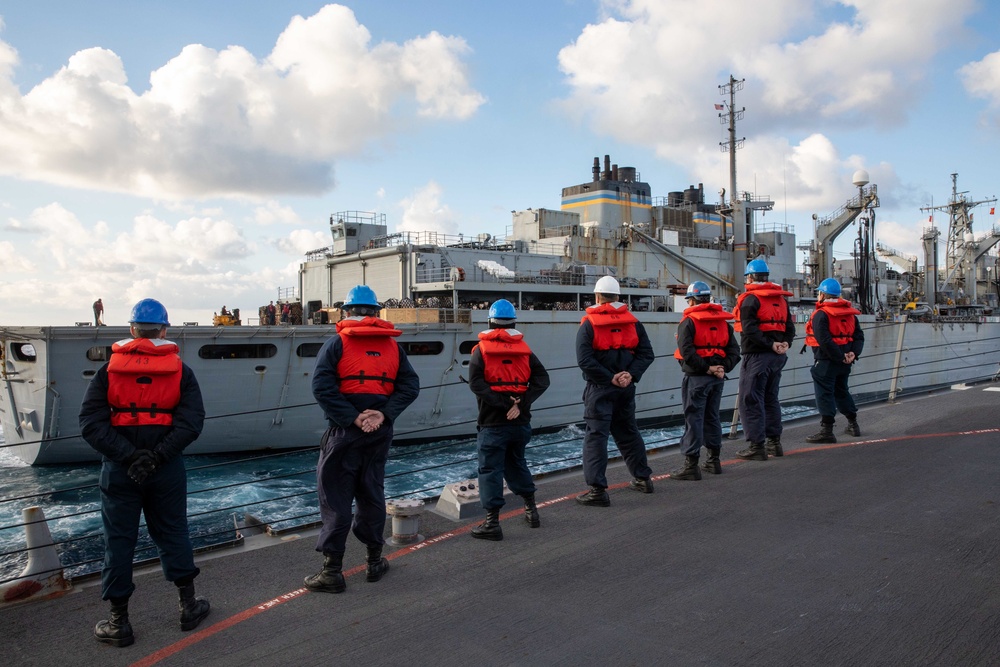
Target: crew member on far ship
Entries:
(613, 351)
(706, 350)
(834, 334)
(363, 382)
(766, 331)
(507, 378)
(141, 410)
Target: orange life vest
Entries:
(614, 328)
(711, 335)
(840, 313)
(370, 360)
(506, 360)
(773, 312)
(144, 382)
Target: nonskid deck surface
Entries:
(878, 550)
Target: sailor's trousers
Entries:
(352, 468)
(760, 380)
(701, 396)
(162, 498)
(610, 410)
(832, 393)
(501, 456)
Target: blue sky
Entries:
(194, 151)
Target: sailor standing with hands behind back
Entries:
(507, 378)
(613, 351)
(766, 331)
(363, 382)
(834, 334)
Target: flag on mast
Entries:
(719, 107)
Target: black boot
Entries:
(596, 497)
(853, 428)
(825, 434)
(531, 511)
(641, 484)
(329, 579)
(489, 529)
(690, 470)
(773, 446)
(755, 452)
(377, 566)
(712, 463)
(116, 631)
(193, 610)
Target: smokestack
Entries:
(607, 167)
(614, 172)
(597, 169)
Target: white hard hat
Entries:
(607, 285)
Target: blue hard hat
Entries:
(698, 288)
(829, 286)
(361, 295)
(757, 266)
(502, 309)
(149, 311)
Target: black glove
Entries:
(143, 464)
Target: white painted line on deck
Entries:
(992, 389)
(960, 387)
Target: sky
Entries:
(193, 152)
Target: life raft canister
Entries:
(773, 312)
(506, 360)
(711, 334)
(144, 382)
(614, 327)
(840, 313)
(370, 360)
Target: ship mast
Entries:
(741, 206)
(960, 251)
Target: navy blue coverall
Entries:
(351, 462)
(760, 375)
(830, 373)
(610, 410)
(162, 497)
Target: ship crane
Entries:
(906, 262)
(827, 229)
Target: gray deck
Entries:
(882, 552)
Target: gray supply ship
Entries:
(922, 328)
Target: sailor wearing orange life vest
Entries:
(834, 334)
(706, 350)
(363, 382)
(507, 378)
(613, 351)
(766, 331)
(140, 411)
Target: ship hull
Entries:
(256, 381)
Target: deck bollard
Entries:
(43, 577)
(405, 521)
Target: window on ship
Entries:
(238, 351)
(466, 347)
(423, 347)
(99, 353)
(308, 349)
(23, 352)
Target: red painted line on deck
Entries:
(194, 638)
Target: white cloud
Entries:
(424, 212)
(644, 76)
(225, 123)
(982, 78)
(274, 213)
(13, 261)
(301, 241)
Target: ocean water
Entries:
(276, 489)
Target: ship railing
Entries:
(774, 227)
(579, 275)
(291, 480)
